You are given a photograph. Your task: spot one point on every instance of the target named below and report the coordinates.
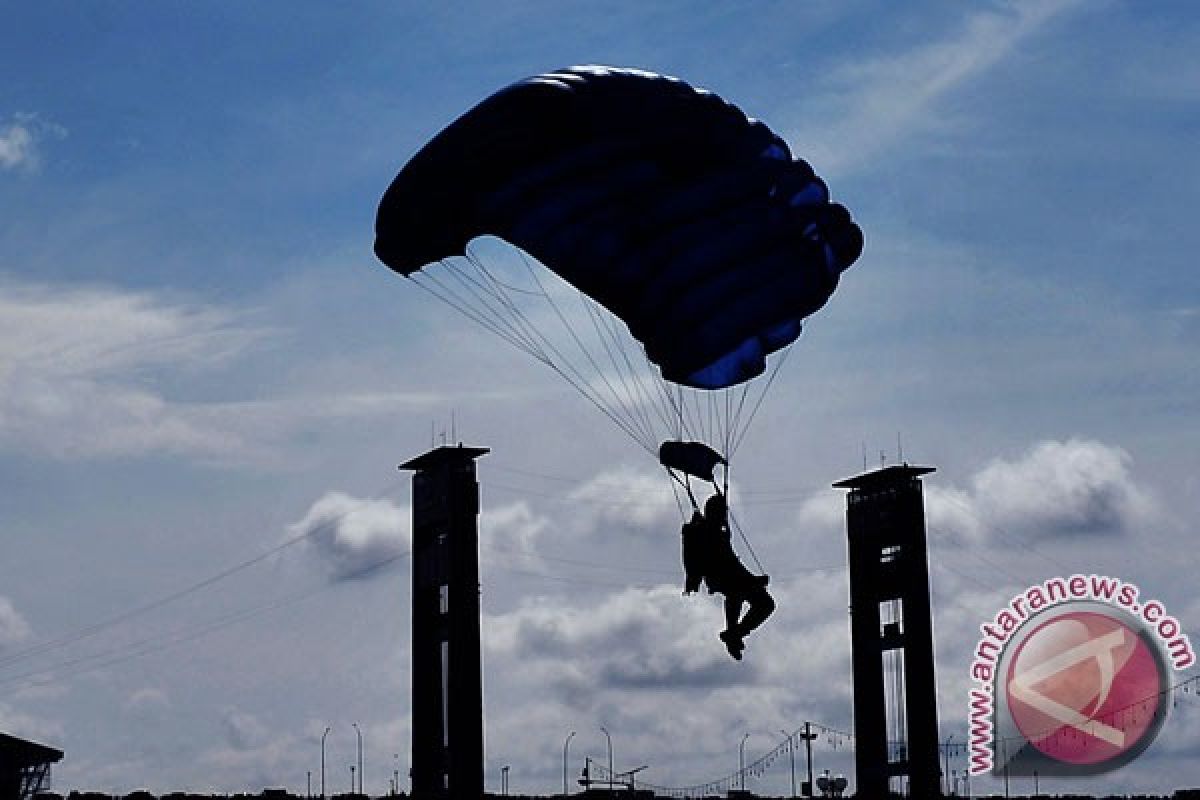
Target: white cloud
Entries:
(353, 537)
(13, 627)
(626, 499)
(512, 530)
(1055, 489)
(20, 139)
(147, 700)
(638, 638)
(16, 147)
(243, 731)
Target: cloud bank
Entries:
(1056, 489)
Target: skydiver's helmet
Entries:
(715, 507)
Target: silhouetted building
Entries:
(891, 634)
(447, 691)
(24, 766)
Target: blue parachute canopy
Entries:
(687, 220)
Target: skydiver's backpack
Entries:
(695, 550)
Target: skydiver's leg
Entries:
(733, 611)
(761, 607)
(732, 635)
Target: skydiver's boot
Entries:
(733, 643)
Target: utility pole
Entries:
(808, 737)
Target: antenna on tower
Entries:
(899, 448)
(453, 427)
(864, 452)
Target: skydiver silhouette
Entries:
(708, 556)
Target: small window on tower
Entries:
(889, 554)
(444, 599)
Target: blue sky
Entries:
(200, 360)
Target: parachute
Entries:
(660, 244)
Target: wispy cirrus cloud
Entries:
(104, 372)
(883, 101)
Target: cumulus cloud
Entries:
(1056, 489)
(626, 499)
(512, 529)
(638, 638)
(20, 140)
(13, 627)
(353, 537)
(1068, 487)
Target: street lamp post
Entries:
(610, 758)
(566, 744)
(323, 735)
(360, 766)
(792, 753)
(742, 762)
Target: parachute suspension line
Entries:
(501, 293)
(736, 416)
(593, 393)
(750, 549)
(761, 396)
(686, 483)
(445, 295)
(500, 310)
(629, 380)
(692, 424)
(673, 419)
(511, 332)
(640, 377)
(624, 403)
(675, 399)
(675, 492)
(496, 304)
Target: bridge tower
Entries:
(447, 683)
(891, 634)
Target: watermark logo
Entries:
(1072, 678)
